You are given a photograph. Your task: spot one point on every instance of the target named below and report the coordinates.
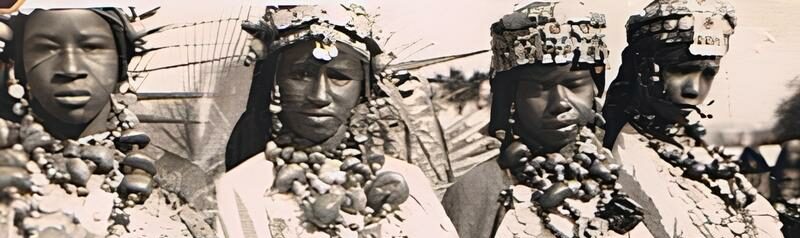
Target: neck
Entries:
(334, 141)
(329, 144)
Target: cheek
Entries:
(705, 86)
(347, 95)
(103, 71)
(292, 90)
(672, 84)
(530, 110)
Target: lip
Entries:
(559, 124)
(73, 98)
(569, 128)
(316, 113)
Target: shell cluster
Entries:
(581, 171)
(34, 164)
(343, 179)
(721, 175)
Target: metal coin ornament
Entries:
(324, 52)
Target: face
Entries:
(688, 83)
(317, 96)
(70, 63)
(484, 93)
(788, 179)
(552, 103)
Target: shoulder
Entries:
(472, 202)
(486, 176)
(256, 171)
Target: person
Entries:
(785, 187)
(314, 113)
(72, 160)
(688, 187)
(552, 178)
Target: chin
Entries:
(316, 132)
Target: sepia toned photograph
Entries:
(399, 119)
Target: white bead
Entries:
(16, 91)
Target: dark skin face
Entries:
(788, 179)
(552, 102)
(688, 83)
(318, 96)
(71, 66)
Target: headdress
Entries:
(348, 24)
(706, 24)
(547, 33)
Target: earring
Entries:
(512, 111)
(275, 108)
(17, 91)
(656, 77)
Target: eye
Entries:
(89, 47)
(338, 78)
(298, 74)
(576, 83)
(710, 71)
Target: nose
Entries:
(318, 90)
(557, 102)
(70, 69)
(691, 87)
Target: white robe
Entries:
(248, 208)
(687, 207)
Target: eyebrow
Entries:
(90, 35)
(45, 35)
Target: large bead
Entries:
(71, 149)
(15, 177)
(287, 175)
(325, 209)
(554, 195)
(37, 140)
(5, 134)
(79, 172)
(357, 200)
(590, 188)
(722, 170)
(387, 187)
(134, 137)
(140, 160)
(13, 158)
(136, 183)
(376, 159)
(101, 156)
(695, 171)
(299, 157)
(598, 170)
(512, 155)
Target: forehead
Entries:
(550, 73)
(65, 23)
(301, 52)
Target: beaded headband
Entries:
(706, 24)
(327, 24)
(538, 34)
